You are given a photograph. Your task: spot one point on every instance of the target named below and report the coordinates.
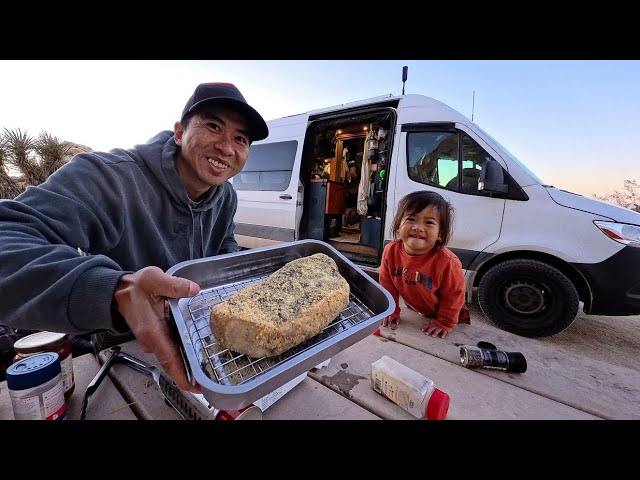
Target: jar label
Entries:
(403, 386)
(54, 406)
(50, 405)
(27, 408)
(66, 366)
(494, 359)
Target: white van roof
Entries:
(437, 108)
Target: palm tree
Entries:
(9, 188)
(33, 159)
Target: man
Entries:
(86, 251)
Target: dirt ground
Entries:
(613, 340)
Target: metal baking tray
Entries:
(232, 381)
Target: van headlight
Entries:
(621, 232)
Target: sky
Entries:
(574, 123)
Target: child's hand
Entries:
(432, 328)
(388, 322)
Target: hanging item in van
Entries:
(291, 305)
(372, 138)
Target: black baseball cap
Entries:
(227, 94)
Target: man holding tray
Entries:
(86, 251)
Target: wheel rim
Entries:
(526, 297)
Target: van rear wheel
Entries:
(528, 297)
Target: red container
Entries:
(247, 413)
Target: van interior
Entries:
(343, 173)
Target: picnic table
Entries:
(556, 385)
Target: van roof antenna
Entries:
(405, 71)
(473, 104)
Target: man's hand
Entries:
(141, 298)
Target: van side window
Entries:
(451, 160)
(268, 167)
(432, 157)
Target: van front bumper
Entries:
(614, 283)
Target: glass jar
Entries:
(41, 342)
(35, 388)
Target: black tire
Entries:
(528, 297)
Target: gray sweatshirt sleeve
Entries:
(45, 283)
(229, 243)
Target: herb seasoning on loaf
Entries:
(291, 305)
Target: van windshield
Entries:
(513, 157)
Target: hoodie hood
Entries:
(164, 147)
(598, 207)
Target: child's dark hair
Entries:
(415, 202)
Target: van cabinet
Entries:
(328, 200)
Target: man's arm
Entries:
(45, 283)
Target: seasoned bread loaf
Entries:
(291, 305)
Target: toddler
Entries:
(418, 267)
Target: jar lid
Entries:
(36, 342)
(33, 371)
(438, 405)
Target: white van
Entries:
(530, 251)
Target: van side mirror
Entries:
(492, 178)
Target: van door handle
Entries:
(286, 196)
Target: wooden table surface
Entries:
(555, 385)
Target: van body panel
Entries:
(382, 99)
(417, 109)
(282, 128)
(471, 259)
(263, 231)
(613, 293)
(272, 215)
(246, 242)
(595, 206)
(397, 174)
(267, 209)
(542, 225)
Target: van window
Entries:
(268, 167)
(432, 157)
(451, 160)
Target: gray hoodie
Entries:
(126, 209)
